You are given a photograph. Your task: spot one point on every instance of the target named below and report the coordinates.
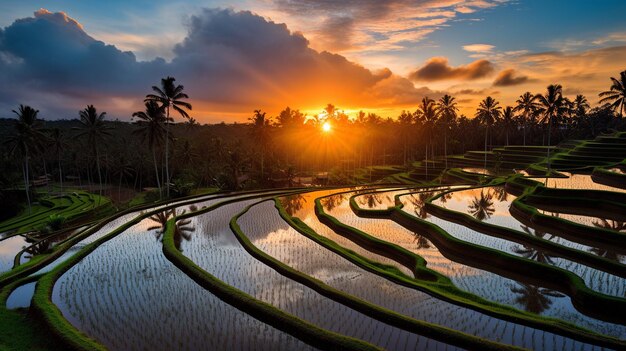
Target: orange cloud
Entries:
(437, 68)
(509, 77)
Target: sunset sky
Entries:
(237, 56)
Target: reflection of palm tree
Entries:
(370, 199)
(42, 247)
(421, 241)
(182, 229)
(293, 203)
(500, 193)
(418, 201)
(482, 207)
(533, 298)
(330, 202)
(611, 225)
(531, 252)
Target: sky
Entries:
(237, 56)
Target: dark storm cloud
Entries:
(228, 58)
(438, 68)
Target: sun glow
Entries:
(326, 127)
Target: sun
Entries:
(326, 127)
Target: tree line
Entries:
(154, 150)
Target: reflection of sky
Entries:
(306, 256)
(8, 249)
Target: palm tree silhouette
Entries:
(261, 132)
(58, 144)
(616, 95)
(528, 105)
(488, 113)
(427, 114)
(28, 139)
(551, 106)
(169, 96)
(94, 130)
(581, 105)
(182, 229)
(531, 252)
(151, 129)
(533, 298)
(447, 109)
(481, 207)
(507, 119)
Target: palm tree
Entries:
(58, 143)
(488, 113)
(93, 128)
(528, 105)
(581, 105)
(482, 207)
(261, 132)
(169, 96)
(447, 109)
(507, 120)
(28, 139)
(551, 106)
(426, 115)
(151, 128)
(616, 95)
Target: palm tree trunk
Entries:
(486, 132)
(99, 173)
(549, 129)
(60, 171)
(445, 146)
(26, 181)
(167, 153)
(156, 173)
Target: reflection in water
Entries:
(532, 252)
(331, 202)
(42, 247)
(182, 229)
(421, 241)
(533, 298)
(293, 203)
(611, 225)
(371, 199)
(482, 207)
(500, 193)
(418, 200)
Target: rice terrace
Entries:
(445, 183)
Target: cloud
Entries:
(230, 62)
(481, 48)
(438, 68)
(391, 21)
(509, 77)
